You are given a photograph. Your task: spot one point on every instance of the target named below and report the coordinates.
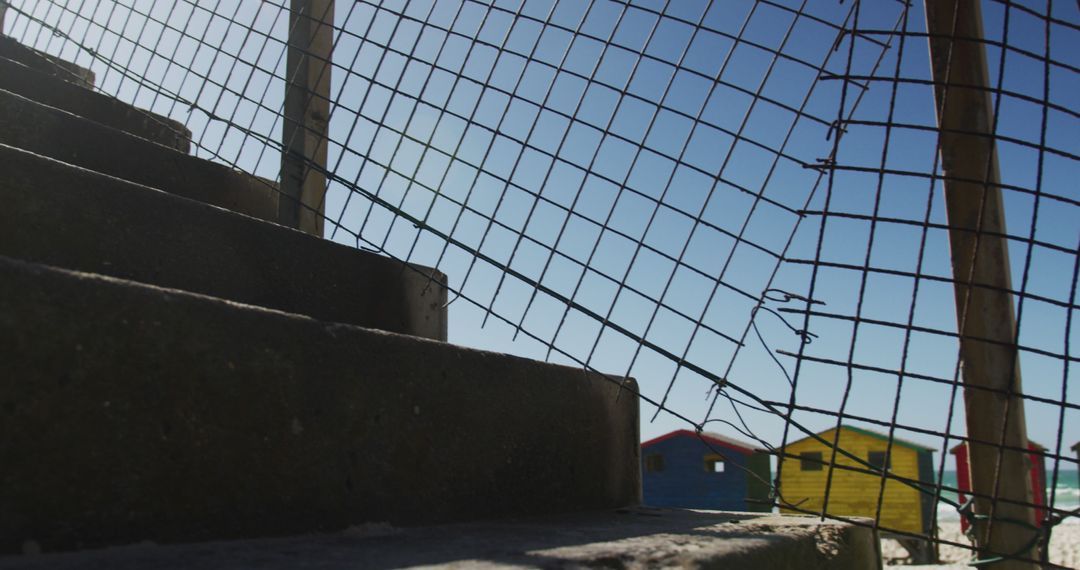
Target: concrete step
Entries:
(75, 140)
(626, 538)
(66, 216)
(54, 92)
(134, 413)
(45, 63)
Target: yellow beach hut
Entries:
(853, 493)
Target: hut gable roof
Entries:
(873, 434)
(709, 437)
(1076, 446)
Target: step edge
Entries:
(263, 207)
(68, 115)
(173, 125)
(438, 275)
(100, 280)
(65, 70)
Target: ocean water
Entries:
(1066, 497)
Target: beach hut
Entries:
(704, 471)
(805, 473)
(1076, 448)
(1036, 471)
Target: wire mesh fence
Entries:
(753, 207)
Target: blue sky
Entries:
(645, 161)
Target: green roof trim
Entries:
(874, 434)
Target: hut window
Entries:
(877, 460)
(714, 463)
(654, 462)
(810, 461)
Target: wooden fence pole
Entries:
(980, 257)
(307, 115)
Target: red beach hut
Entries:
(1037, 471)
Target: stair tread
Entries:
(640, 537)
(71, 217)
(59, 134)
(100, 108)
(41, 61)
(155, 414)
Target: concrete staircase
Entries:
(177, 368)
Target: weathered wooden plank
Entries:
(307, 115)
(980, 261)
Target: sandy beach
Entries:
(1064, 549)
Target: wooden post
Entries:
(3, 14)
(307, 115)
(975, 208)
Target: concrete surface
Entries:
(49, 90)
(628, 538)
(66, 137)
(69, 217)
(134, 413)
(15, 51)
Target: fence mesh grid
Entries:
(740, 204)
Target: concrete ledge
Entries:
(134, 413)
(69, 217)
(49, 90)
(632, 538)
(56, 133)
(41, 61)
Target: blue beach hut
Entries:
(685, 469)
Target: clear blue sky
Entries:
(620, 163)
